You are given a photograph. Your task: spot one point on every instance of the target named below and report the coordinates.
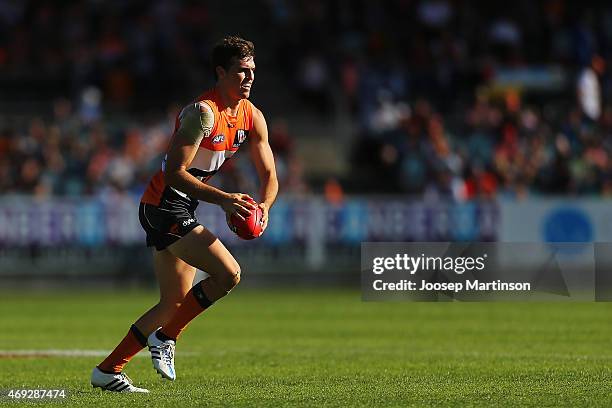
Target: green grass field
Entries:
(323, 348)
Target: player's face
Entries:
(239, 78)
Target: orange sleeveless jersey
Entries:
(227, 134)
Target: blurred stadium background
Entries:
(399, 120)
(394, 120)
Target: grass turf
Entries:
(323, 348)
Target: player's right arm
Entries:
(196, 123)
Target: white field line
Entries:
(69, 353)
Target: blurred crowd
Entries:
(74, 154)
(144, 53)
(419, 80)
(109, 70)
(494, 150)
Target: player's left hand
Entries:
(264, 218)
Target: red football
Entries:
(249, 228)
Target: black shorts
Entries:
(165, 226)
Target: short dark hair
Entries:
(228, 48)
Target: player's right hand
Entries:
(239, 204)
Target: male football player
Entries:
(208, 132)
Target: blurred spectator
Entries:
(289, 168)
(589, 89)
(313, 80)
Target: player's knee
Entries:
(230, 280)
(236, 278)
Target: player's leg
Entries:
(203, 250)
(175, 278)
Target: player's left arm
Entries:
(263, 159)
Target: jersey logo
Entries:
(241, 136)
(188, 221)
(218, 139)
